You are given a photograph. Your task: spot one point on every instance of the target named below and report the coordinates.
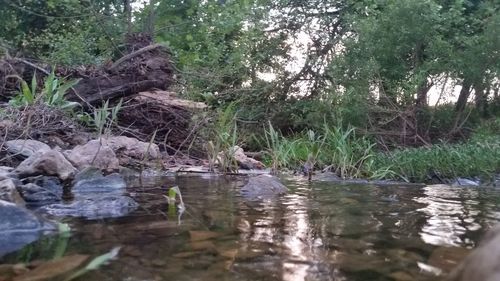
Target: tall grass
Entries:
(477, 157)
(224, 137)
(349, 155)
(340, 150)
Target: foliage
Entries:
(320, 71)
(340, 150)
(52, 94)
(174, 192)
(470, 159)
(224, 139)
(279, 149)
(64, 32)
(105, 117)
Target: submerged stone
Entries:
(110, 183)
(107, 206)
(9, 193)
(88, 173)
(95, 196)
(263, 186)
(18, 227)
(482, 262)
(45, 194)
(54, 269)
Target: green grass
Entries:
(352, 156)
(224, 137)
(470, 159)
(345, 153)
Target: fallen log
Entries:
(142, 70)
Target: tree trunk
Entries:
(481, 99)
(127, 11)
(422, 91)
(149, 23)
(463, 96)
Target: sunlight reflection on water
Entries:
(451, 212)
(318, 231)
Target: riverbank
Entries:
(349, 155)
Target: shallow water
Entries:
(319, 231)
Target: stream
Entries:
(318, 231)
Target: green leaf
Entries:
(26, 93)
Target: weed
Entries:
(105, 117)
(52, 94)
(225, 139)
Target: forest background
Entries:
(346, 84)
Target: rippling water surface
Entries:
(319, 231)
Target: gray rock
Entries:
(482, 262)
(88, 174)
(6, 173)
(9, 193)
(105, 206)
(132, 147)
(19, 227)
(25, 148)
(465, 182)
(110, 183)
(244, 162)
(263, 186)
(48, 190)
(49, 163)
(93, 154)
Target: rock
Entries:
(201, 235)
(9, 193)
(18, 227)
(263, 186)
(6, 172)
(88, 173)
(54, 269)
(132, 147)
(401, 276)
(46, 162)
(327, 176)
(93, 154)
(104, 206)
(99, 183)
(446, 258)
(482, 262)
(25, 148)
(47, 190)
(465, 182)
(244, 162)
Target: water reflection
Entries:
(450, 212)
(319, 231)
